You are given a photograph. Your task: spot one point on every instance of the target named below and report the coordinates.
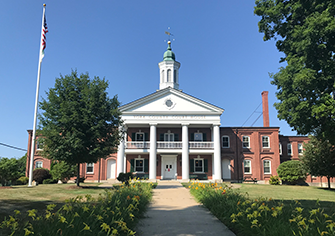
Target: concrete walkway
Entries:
(174, 212)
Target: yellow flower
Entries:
(299, 209)
(17, 212)
(50, 207)
(114, 232)
(254, 222)
(311, 221)
(105, 227)
(86, 227)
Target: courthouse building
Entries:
(170, 134)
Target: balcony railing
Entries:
(137, 145)
(201, 145)
(169, 145)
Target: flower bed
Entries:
(113, 213)
(261, 216)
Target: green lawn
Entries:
(308, 196)
(23, 198)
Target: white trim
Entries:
(244, 161)
(267, 173)
(243, 141)
(268, 141)
(291, 152)
(139, 158)
(89, 165)
(300, 149)
(280, 149)
(203, 164)
(163, 159)
(38, 162)
(139, 133)
(226, 136)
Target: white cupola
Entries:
(169, 70)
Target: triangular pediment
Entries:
(170, 101)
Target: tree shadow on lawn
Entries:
(7, 207)
(327, 189)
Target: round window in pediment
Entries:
(169, 103)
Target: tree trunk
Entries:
(78, 174)
(328, 177)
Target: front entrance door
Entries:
(226, 169)
(111, 164)
(169, 167)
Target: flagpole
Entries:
(36, 105)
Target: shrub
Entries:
(62, 171)
(292, 172)
(274, 180)
(50, 181)
(22, 180)
(124, 177)
(41, 174)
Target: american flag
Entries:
(43, 39)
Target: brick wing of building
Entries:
(170, 134)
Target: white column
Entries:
(120, 153)
(217, 152)
(153, 152)
(185, 152)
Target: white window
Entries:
(139, 165)
(246, 141)
(39, 144)
(139, 137)
(266, 141)
(247, 166)
(169, 137)
(300, 150)
(169, 75)
(199, 165)
(225, 142)
(198, 137)
(280, 149)
(267, 166)
(289, 149)
(39, 164)
(89, 168)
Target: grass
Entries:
(99, 212)
(308, 196)
(254, 210)
(23, 198)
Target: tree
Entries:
(11, 169)
(292, 172)
(319, 158)
(79, 123)
(62, 171)
(305, 32)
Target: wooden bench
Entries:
(199, 176)
(250, 179)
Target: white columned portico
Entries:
(153, 151)
(185, 152)
(217, 152)
(121, 151)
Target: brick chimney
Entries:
(266, 121)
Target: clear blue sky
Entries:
(223, 57)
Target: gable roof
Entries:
(154, 103)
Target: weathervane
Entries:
(168, 33)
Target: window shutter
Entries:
(204, 137)
(133, 136)
(132, 163)
(176, 137)
(161, 137)
(146, 165)
(192, 137)
(146, 136)
(192, 165)
(206, 165)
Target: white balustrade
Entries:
(169, 145)
(137, 145)
(201, 145)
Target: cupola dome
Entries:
(169, 55)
